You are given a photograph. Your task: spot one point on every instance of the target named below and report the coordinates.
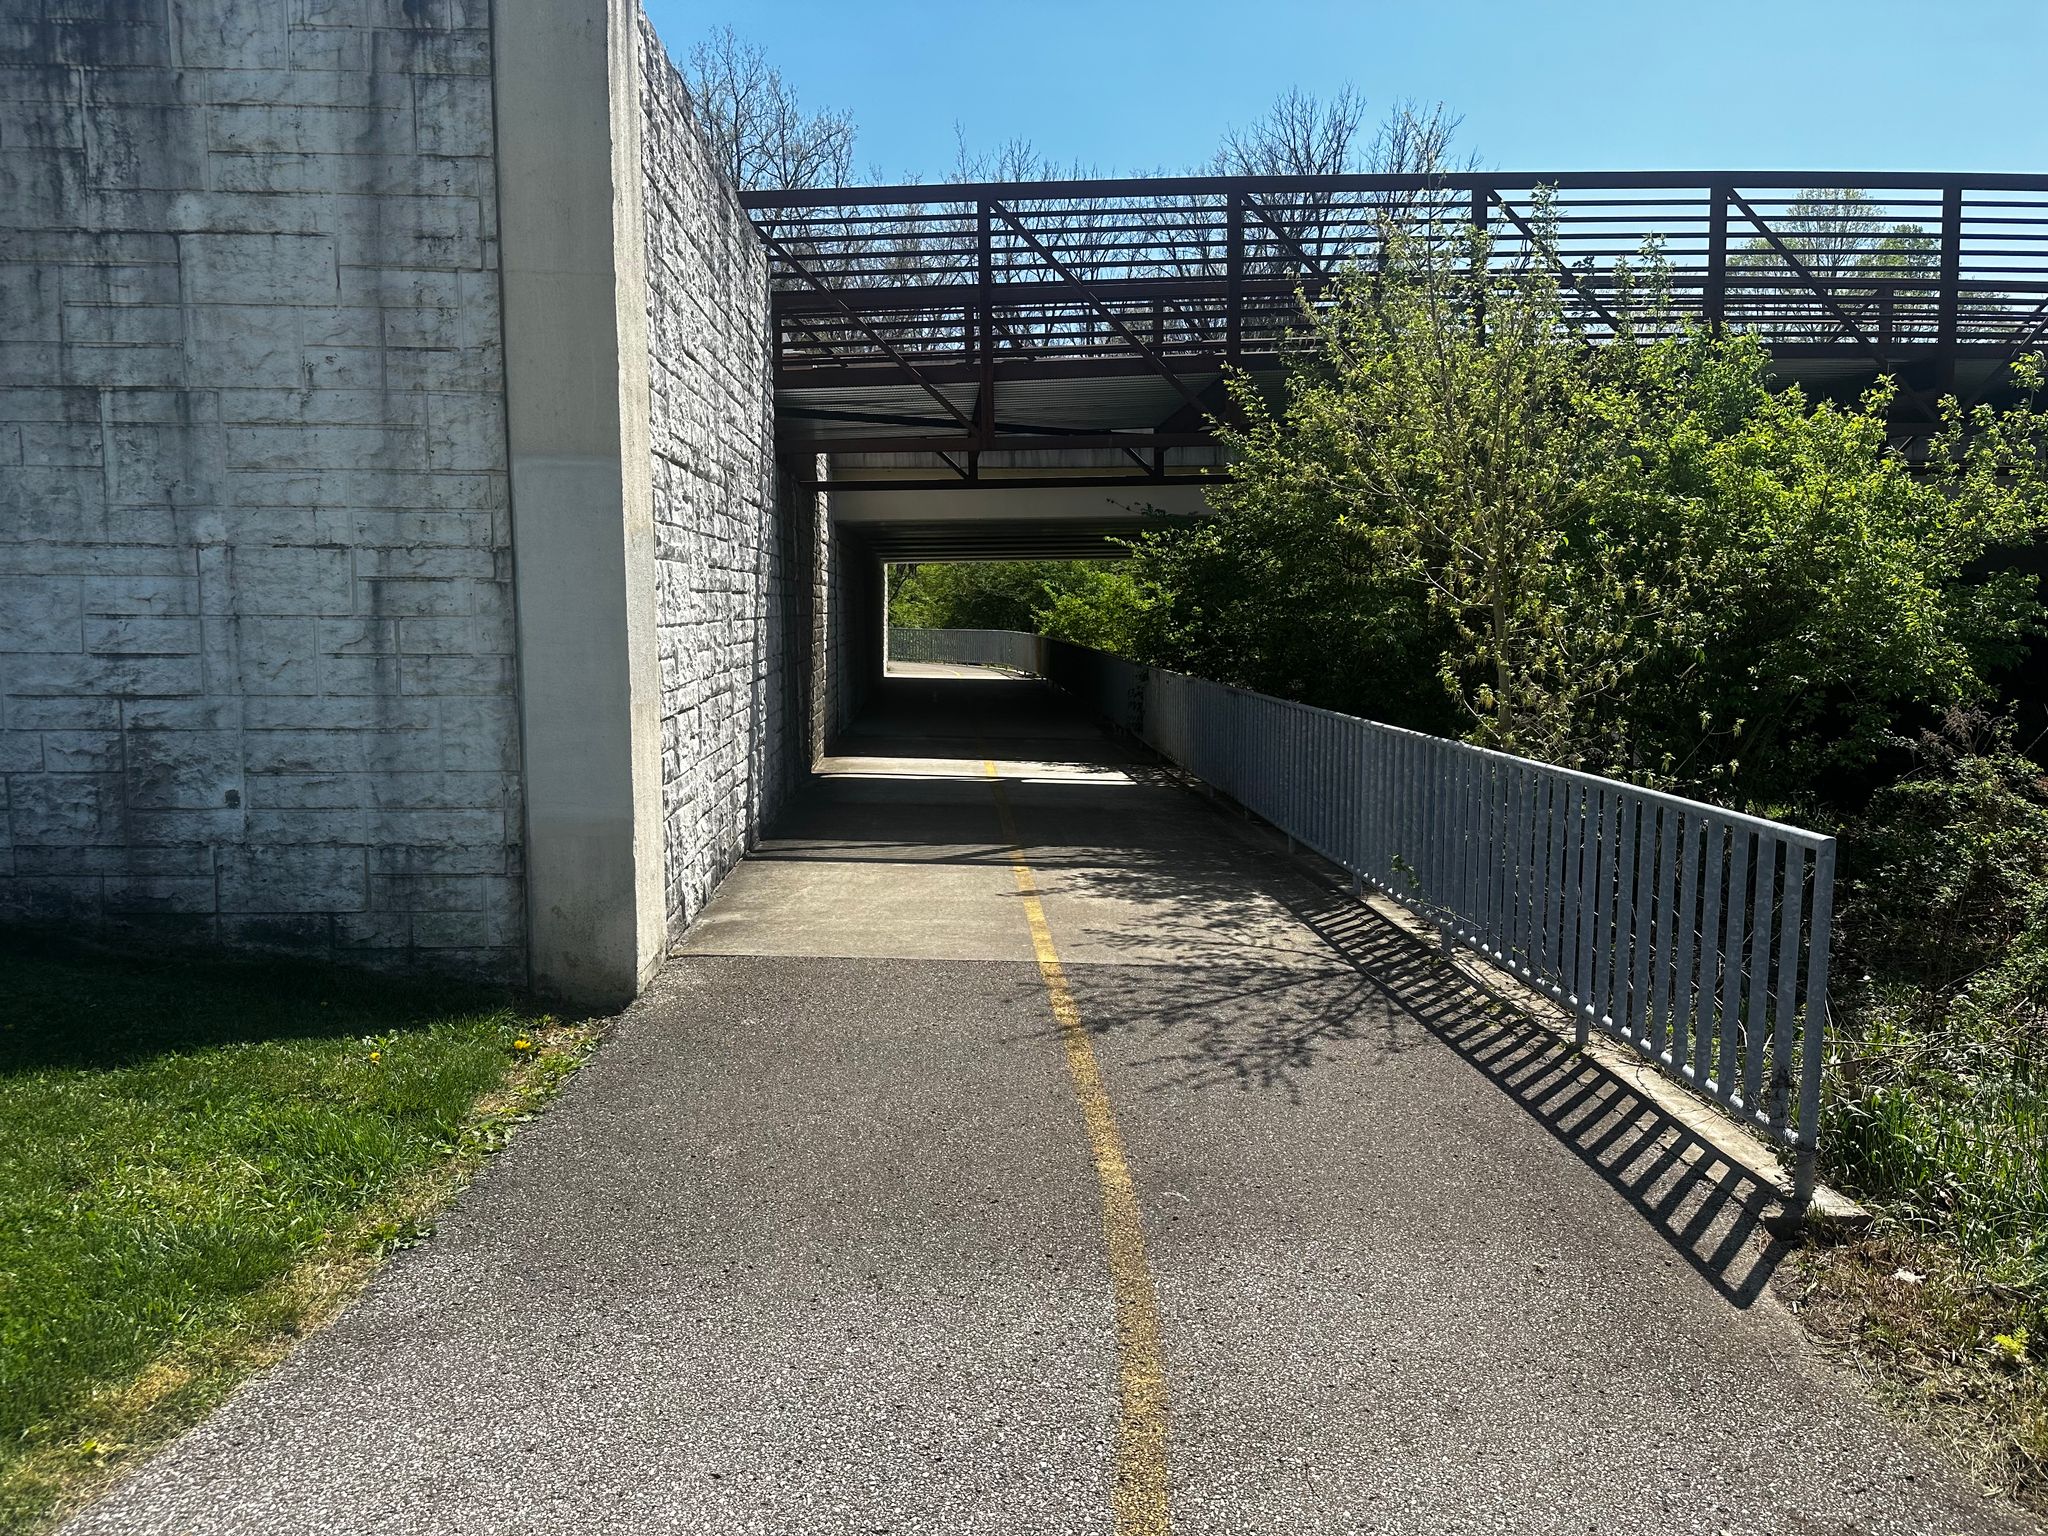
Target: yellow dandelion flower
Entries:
(522, 1044)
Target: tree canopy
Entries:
(1637, 556)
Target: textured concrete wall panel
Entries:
(255, 644)
(733, 602)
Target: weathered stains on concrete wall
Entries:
(733, 604)
(256, 657)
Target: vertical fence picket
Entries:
(1598, 943)
(1555, 883)
(1564, 965)
(1475, 842)
(1504, 787)
(1590, 821)
(1542, 875)
(1620, 934)
(1321, 805)
(1411, 817)
(1792, 895)
(1534, 885)
(1370, 745)
(1662, 938)
(1815, 1003)
(1467, 838)
(1525, 869)
(1707, 977)
(1756, 1032)
(1513, 856)
(1683, 1000)
(1347, 807)
(1424, 811)
(1642, 933)
(1734, 937)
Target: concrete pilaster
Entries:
(568, 132)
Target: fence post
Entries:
(1813, 1041)
(985, 292)
(1948, 303)
(1715, 300)
(1484, 260)
(1233, 307)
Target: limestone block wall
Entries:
(256, 651)
(731, 543)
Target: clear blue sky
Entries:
(1130, 86)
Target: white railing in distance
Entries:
(1004, 648)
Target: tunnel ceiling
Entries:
(1067, 539)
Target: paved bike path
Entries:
(816, 1243)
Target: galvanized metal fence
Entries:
(1695, 934)
(990, 648)
(1005, 648)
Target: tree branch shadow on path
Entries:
(1260, 1027)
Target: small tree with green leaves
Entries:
(1630, 555)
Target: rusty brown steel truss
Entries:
(961, 321)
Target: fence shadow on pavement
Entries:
(1720, 1218)
(1248, 1008)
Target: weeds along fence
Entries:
(1695, 934)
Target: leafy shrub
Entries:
(1949, 867)
(1938, 1097)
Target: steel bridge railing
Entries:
(1695, 934)
(951, 287)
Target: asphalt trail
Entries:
(828, 1239)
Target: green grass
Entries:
(1961, 1355)
(1944, 1120)
(199, 1160)
(1936, 1115)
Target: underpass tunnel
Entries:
(894, 513)
(932, 705)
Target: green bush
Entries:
(1638, 558)
(1949, 868)
(1937, 1099)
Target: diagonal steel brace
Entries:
(1165, 369)
(873, 335)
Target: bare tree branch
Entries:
(764, 137)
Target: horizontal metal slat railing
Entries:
(1208, 269)
(1695, 934)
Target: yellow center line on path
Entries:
(1138, 1495)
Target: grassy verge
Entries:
(1957, 1353)
(1936, 1116)
(199, 1161)
(1935, 1107)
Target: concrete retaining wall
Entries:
(256, 654)
(731, 537)
(311, 313)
